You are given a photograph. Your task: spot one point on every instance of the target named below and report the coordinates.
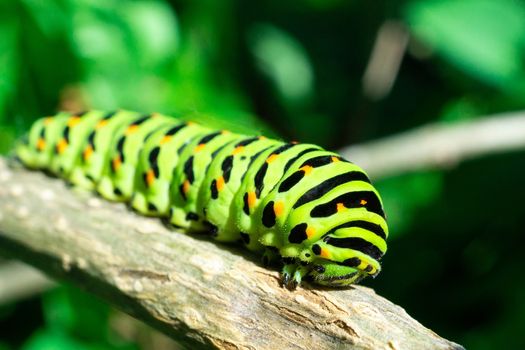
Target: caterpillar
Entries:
(295, 203)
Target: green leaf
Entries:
(154, 31)
(283, 60)
(483, 38)
(68, 309)
(404, 195)
(8, 61)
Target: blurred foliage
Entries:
(455, 252)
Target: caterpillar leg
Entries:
(292, 275)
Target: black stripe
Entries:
(65, 133)
(349, 200)
(246, 142)
(259, 179)
(214, 190)
(283, 148)
(120, 147)
(298, 233)
(226, 168)
(328, 185)
(153, 155)
(141, 120)
(245, 237)
(209, 137)
(155, 169)
(109, 115)
(91, 139)
(252, 159)
(366, 225)
(318, 161)
(302, 153)
(214, 154)
(246, 207)
(192, 216)
(43, 132)
(213, 230)
(188, 170)
(152, 207)
(175, 129)
(268, 218)
(291, 181)
(351, 262)
(181, 148)
(357, 244)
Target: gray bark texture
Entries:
(200, 293)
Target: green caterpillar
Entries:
(294, 202)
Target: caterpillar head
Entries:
(346, 255)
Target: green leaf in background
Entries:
(8, 59)
(53, 340)
(72, 310)
(404, 195)
(136, 40)
(75, 320)
(483, 38)
(283, 59)
(284, 62)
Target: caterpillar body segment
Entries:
(309, 208)
(188, 179)
(156, 164)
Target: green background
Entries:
(294, 69)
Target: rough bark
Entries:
(200, 293)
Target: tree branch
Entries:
(439, 145)
(198, 292)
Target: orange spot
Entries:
(325, 253)
(224, 132)
(278, 208)
(73, 121)
(40, 144)
(200, 147)
(101, 124)
(271, 158)
(165, 139)
(220, 183)
(363, 202)
(340, 207)
(186, 187)
(131, 129)
(335, 159)
(294, 142)
(262, 138)
(88, 151)
(117, 162)
(61, 145)
(310, 231)
(237, 150)
(48, 120)
(150, 177)
(190, 123)
(252, 199)
(307, 169)
(155, 115)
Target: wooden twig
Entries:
(439, 145)
(200, 293)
